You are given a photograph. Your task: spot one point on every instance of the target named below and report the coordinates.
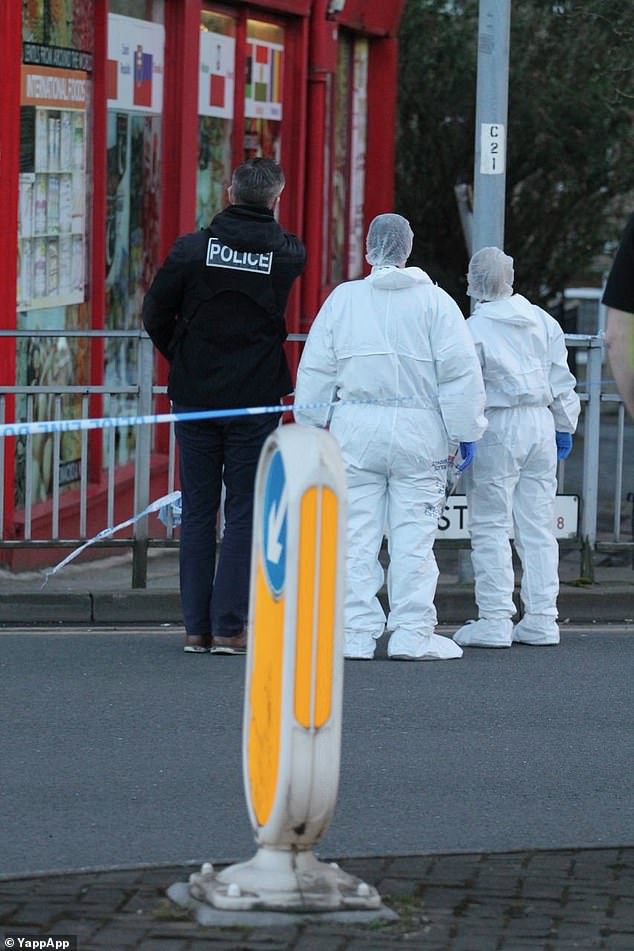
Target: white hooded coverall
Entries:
(511, 485)
(398, 345)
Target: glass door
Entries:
(263, 91)
(135, 103)
(240, 100)
(216, 94)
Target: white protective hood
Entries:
(395, 278)
(515, 310)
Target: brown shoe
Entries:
(197, 643)
(229, 645)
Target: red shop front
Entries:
(121, 123)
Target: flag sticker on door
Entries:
(142, 95)
(264, 80)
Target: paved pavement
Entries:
(514, 901)
(491, 801)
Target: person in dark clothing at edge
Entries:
(618, 297)
(215, 310)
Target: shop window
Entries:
(258, 96)
(348, 180)
(215, 113)
(263, 90)
(53, 229)
(358, 141)
(135, 102)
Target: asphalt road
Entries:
(118, 749)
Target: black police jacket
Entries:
(216, 310)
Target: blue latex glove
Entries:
(467, 451)
(564, 445)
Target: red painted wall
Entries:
(311, 37)
(11, 57)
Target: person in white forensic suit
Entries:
(532, 410)
(395, 350)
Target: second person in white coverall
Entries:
(532, 409)
(395, 349)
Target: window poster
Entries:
(52, 188)
(263, 92)
(216, 79)
(135, 65)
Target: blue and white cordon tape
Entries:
(110, 422)
(167, 504)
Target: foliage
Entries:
(570, 135)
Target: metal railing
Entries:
(596, 399)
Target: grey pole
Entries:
(489, 174)
(494, 25)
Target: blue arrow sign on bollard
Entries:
(274, 520)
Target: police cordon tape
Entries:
(109, 422)
(166, 500)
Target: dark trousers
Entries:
(210, 452)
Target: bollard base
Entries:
(280, 880)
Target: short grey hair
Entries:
(257, 182)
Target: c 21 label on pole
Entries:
(492, 148)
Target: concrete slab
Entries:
(43, 608)
(144, 606)
(211, 917)
(600, 603)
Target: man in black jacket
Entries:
(215, 310)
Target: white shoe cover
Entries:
(539, 630)
(358, 646)
(406, 645)
(487, 632)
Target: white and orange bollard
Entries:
(294, 685)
